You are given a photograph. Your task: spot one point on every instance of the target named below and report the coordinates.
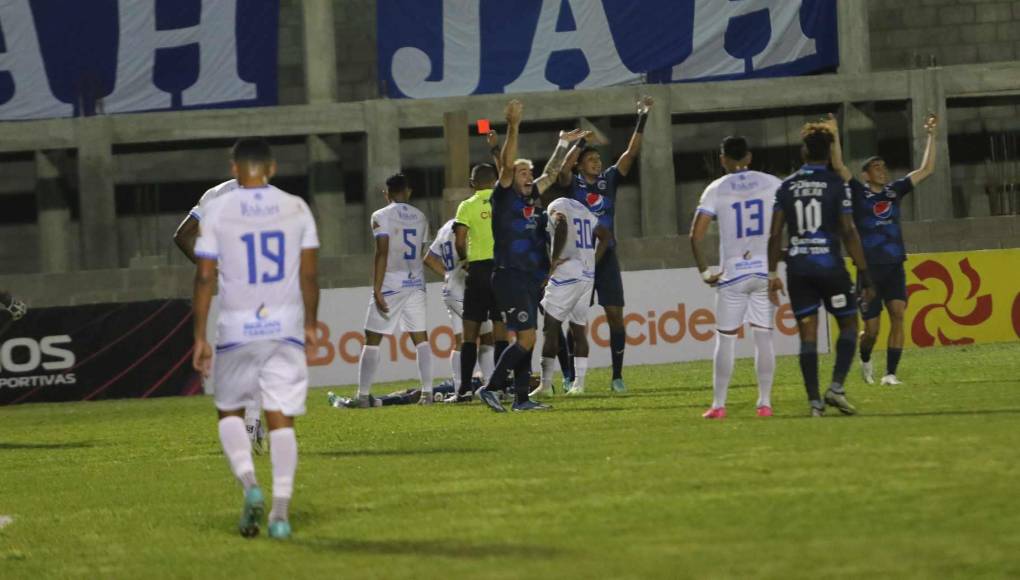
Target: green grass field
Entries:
(922, 484)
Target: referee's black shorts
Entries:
(479, 300)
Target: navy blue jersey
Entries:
(518, 232)
(600, 197)
(812, 201)
(877, 216)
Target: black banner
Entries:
(99, 351)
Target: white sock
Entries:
(580, 370)
(425, 366)
(283, 454)
(764, 365)
(548, 368)
(251, 418)
(486, 360)
(723, 368)
(455, 366)
(237, 448)
(366, 370)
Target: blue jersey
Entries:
(518, 232)
(600, 197)
(877, 216)
(812, 201)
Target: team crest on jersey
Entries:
(882, 209)
(890, 194)
(522, 316)
(601, 184)
(261, 313)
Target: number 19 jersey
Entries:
(407, 228)
(742, 204)
(256, 235)
(812, 201)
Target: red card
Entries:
(483, 127)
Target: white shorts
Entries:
(274, 370)
(407, 307)
(455, 308)
(742, 301)
(568, 302)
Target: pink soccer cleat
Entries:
(715, 413)
(764, 411)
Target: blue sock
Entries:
(845, 346)
(617, 343)
(892, 360)
(809, 368)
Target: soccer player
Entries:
(597, 188)
(518, 229)
(444, 260)
(262, 245)
(11, 309)
(742, 202)
(578, 243)
(877, 216)
(815, 205)
(398, 286)
(473, 238)
(184, 237)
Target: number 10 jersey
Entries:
(812, 201)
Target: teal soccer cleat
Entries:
(279, 530)
(251, 514)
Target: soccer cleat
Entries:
(868, 372)
(542, 391)
(491, 399)
(838, 400)
(576, 390)
(530, 406)
(279, 530)
(715, 413)
(426, 398)
(817, 412)
(764, 411)
(567, 385)
(251, 513)
(618, 386)
(891, 380)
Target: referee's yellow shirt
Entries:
(475, 212)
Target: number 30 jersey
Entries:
(579, 249)
(812, 201)
(742, 204)
(256, 235)
(408, 229)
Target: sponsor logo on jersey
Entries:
(528, 212)
(882, 209)
(596, 202)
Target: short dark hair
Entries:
(586, 151)
(817, 146)
(251, 150)
(734, 147)
(397, 183)
(484, 173)
(869, 161)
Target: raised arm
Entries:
(931, 125)
(556, 162)
(514, 111)
(698, 229)
(624, 163)
(308, 273)
(492, 138)
(775, 254)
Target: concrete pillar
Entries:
(859, 136)
(854, 37)
(54, 213)
(927, 94)
(456, 139)
(320, 51)
(326, 189)
(658, 180)
(99, 237)
(382, 153)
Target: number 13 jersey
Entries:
(812, 201)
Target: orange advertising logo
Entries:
(980, 311)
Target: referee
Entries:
(473, 228)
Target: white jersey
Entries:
(211, 194)
(579, 249)
(407, 229)
(742, 203)
(257, 235)
(444, 247)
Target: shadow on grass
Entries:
(65, 445)
(425, 548)
(397, 452)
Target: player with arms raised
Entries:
(742, 202)
(261, 243)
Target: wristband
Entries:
(563, 143)
(641, 119)
(707, 275)
(773, 275)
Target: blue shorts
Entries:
(890, 281)
(517, 298)
(609, 280)
(834, 290)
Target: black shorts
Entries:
(517, 298)
(479, 301)
(890, 281)
(609, 280)
(835, 290)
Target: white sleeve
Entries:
(200, 207)
(437, 247)
(380, 225)
(707, 203)
(310, 235)
(206, 245)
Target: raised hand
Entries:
(931, 123)
(514, 111)
(644, 104)
(492, 138)
(575, 135)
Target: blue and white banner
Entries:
(63, 58)
(442, 48)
